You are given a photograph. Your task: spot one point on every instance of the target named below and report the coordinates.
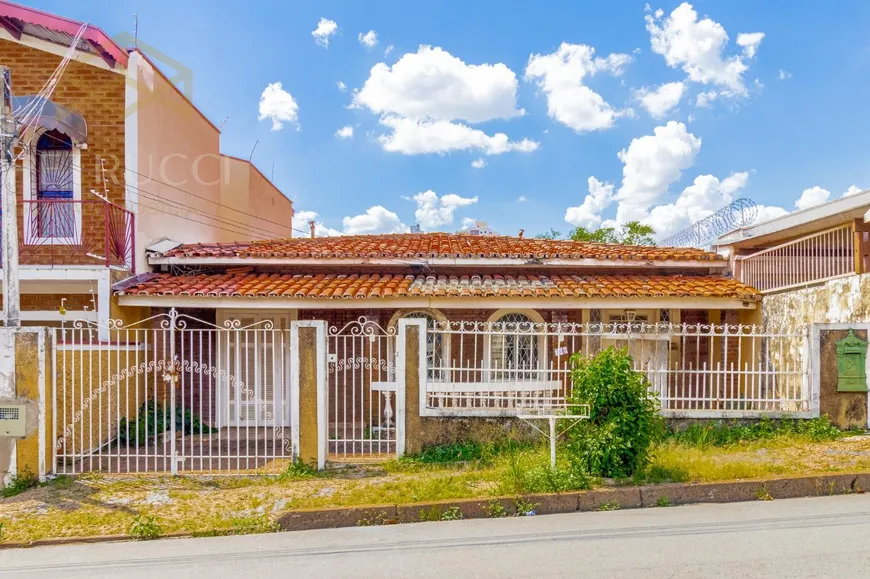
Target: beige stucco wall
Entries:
(184, 188)
(178, 164)
(246, 192)
(841, 300)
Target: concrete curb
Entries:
(595, 500)
(628, 497)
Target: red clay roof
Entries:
(347, 286)
(437, 245)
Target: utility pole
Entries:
(11, 288)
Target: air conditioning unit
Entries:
(12, 420)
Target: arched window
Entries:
(514, 347)
(56, 215)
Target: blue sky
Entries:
(786, 111)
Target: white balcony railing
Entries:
(814, 258)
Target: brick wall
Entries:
(98, 95)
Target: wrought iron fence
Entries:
(502, 369)
(172, 394)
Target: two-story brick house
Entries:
(115, 159)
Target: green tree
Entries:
(631, 233)
(552, 234)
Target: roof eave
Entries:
(442, 262)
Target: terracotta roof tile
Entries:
(374, 286)
(436, 245)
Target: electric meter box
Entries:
(12, 420)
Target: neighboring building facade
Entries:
(810, 265)
(116, 160)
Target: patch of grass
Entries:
(494, 509)
(21, 481)
(663, 502)
(614, 506)
(762, 494)
(721, 434)
(659, 473)
(144, 528)
(299, 470)
(451, 514)
(2, 526)
(252, 525)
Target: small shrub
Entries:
(144, 528)
(1, 531)
(624, 423)
(614, 506)
(451, 514)
(299, 470)
(763, 494)
(154, 419)
(545, 479)
(494, 509)
(663, 502)
(21, 481)
(525, 508)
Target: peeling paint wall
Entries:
(841, 300)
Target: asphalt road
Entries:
(820, 537)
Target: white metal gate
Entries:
(171, 393)
(361, 392)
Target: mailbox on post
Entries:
(852, 364)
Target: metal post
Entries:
(553, 442)
(173, 317)
(11, 288)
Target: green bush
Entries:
(144, 528)
(624, 423)
(154, 419)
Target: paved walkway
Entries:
(819, 537)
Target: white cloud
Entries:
(812, 197)
(560, 76)
(278, 105)
(783, 74)
(698, 46)
(750, 42)
(368, 39)
(325, 29)
(433, 212)
(301, 221)
(521, 199)
(388, 50)
(852, 190)
(588, 214)
(650, 165)
(432, 84)
(478, 163)
(412, 137)
(345, 132)
(705, 98)
(341, 86)
(376, 219)
(468, 223)
(706, 195)
(658, 102)
(766, 213)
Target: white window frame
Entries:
(278, 319)
(33, 237)
(445, 340)
(541, 362)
